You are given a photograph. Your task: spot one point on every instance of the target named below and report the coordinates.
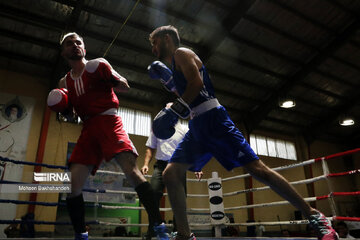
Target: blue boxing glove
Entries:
(164, 124)
(158, 70)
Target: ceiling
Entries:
(257, 51)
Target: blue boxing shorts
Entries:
(213, 133)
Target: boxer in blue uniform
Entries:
(211, 132)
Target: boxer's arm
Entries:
(199, 175)
(62, 83)
(120, 84)
(108, 74)
(185, 61)
(148, 157)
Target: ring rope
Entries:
(49, 204)
(354, 219)
(340, 154)
(108, 191)
(234, 177)
(309, 199)
(32, 163)
(304, 163)
(344, 173)
(338, 194)
(44, 222)
(307, 162)
(306, 181)
(10, 182)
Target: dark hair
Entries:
(163, 30)
(8, 110)
(342, 223)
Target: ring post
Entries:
(217, 214)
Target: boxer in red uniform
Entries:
(91, 86)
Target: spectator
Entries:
(342, 230)
(251, 230)
(27, 229)
(232, 231)
(285, 233)
(12, 231)
(260, 229)
(120, 231)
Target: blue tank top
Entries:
(180, 82)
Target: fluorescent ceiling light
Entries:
(347, 122)
(287, 104)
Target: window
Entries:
(267, 146)
(138, 122)
(135, 121)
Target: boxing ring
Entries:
(330, 197)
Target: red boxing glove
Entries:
(58, 100)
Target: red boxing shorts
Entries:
(101, 138)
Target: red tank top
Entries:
(92, 93)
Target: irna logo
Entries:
(52, 177)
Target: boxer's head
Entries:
(163, 39)
(72, 46)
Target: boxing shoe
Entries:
(81, 236)
(161, 232)
(323, 227)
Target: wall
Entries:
(24, 85)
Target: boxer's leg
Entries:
(127, 162)
(74, 201)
